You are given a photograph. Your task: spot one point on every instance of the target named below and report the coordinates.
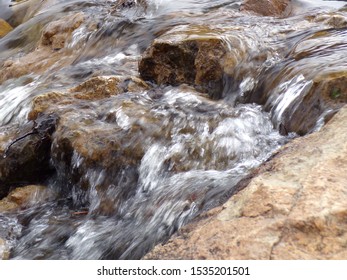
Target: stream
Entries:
(139, 165)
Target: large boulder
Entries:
(294, 209)
(278, 8)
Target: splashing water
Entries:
(184, 153)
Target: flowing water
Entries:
(194, 150)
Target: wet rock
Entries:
(41, 103)
(335, 20)
(4, 253)
(26, 158)
(92, 89)
(24, 197)
(196, 56)
(57, 32)
(309, 86)
(277, 8)
(328, 93)
(50, 51)
(4, 28)
(294, 209)
(103, 87)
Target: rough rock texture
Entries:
(278, 8)
(51, 50)
(95, 88)
(103, 87)
(296, 209)
(197, 56)
(4, 28)
(24, 197)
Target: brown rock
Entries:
(49, 52)
(103, 87)
(294, 210)
(92, 89)
(25, 197)
(42, 102)
(57, 32)
(311, 83)
(277, 8)
(197, 56)
(328, 91)
(4, 28)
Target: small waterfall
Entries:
(133, 162)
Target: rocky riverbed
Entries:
(212, 128)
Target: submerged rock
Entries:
(50, 51)
(294, 209)
(4, 28)
(278, 8)
(23, 197)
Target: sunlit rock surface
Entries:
(295, 208)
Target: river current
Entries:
(196, 150)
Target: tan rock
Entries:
(103, 87)
(25, 197)
(42, 102)
(4, 28)
(92, 89)
(57, 32)
(50, 51)
(296, 209)
(278, 8)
